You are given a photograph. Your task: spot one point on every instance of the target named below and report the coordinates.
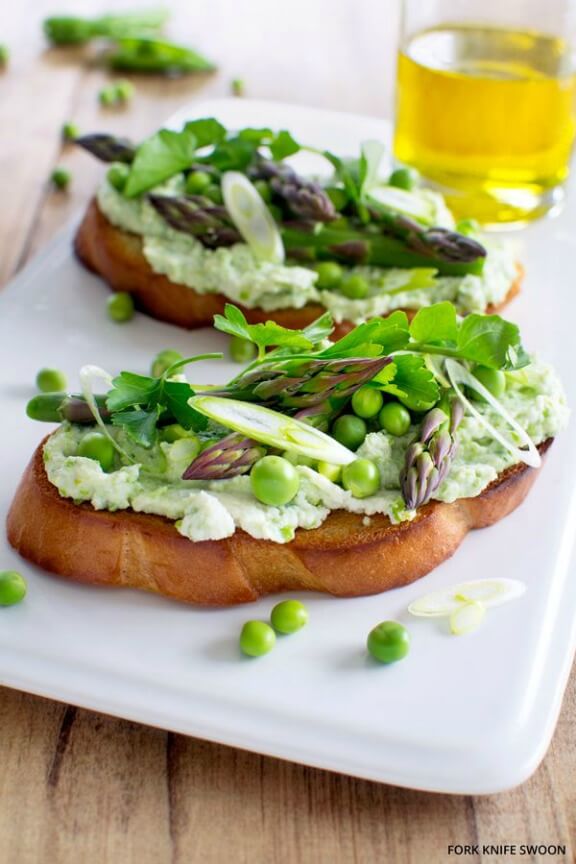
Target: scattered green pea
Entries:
(289, 616)
(51, 381)
(60, 177)
(257, 638)
(70, 131)
(237, 87)
(394, 418)
(97, 446)
(388, 642)
(494, 380)
(12, 587)
(124, 90)
(241, 350)
(355, 287)
(330, 274)
(163, 361)
(263, 190)
(117, 175)
(214, 193)
(274, 481)
(361, 478)
(367, 402)
(197, 182)
(404, 178)
(4, 55)
(107, 96)
(120, 307)
(331, 472)
(349, 430)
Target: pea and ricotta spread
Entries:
(235, 272)
(214, 510)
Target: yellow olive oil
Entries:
(487, 115)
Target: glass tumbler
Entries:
(485, 103)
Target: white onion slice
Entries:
(459, 375)
(489, 592)
(252, 217)
(467, 617)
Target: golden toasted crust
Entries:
(344, 557)
(117, 256)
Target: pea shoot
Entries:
(13, 587)
(51, 381)
(257, 638)
(120, 307)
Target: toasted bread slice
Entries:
(343, 557)
(117, 256)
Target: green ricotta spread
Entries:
(213, 510)
(236, 273)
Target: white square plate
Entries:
(467, 715)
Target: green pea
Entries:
(367, 402)
(120, 307)
(4, 55)
(289, 616)
(361, 478)
(395, 419)
(237, 87)
(331, 472)
(274, 481)
(242, 350)
(298, 459)
(349, 430)
(124, 90)
(117, 175)
(175, 432)
(51, 381)
(257, 638)
(108, 96)
(263, 190)
(70, 131)
(338, 196)
(97, 446)
(330, 274)
(163, 361)
(388, 642)
(197, 182)
(468, 226)
(61, 177)
(493, 380)
(404, 178)
(355, 287)
(12, 587)
(214, 193)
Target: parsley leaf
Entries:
(131, 389)
(378, 336)
(435, 323)
(413, 383)
(206, 130)
(491, 341)
(283, 145)
(140, 425)
(158, 158)
(265, 335)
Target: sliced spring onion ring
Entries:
(272, 428)
(89, 374)
(402, 201)
(252, 218)
(489, 592)
(467, 617)
(459, 375)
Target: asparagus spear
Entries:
(56, 407)
(145, 54)
(196, 215)
(76, 30)
(305, 198)
(429, 456)
(108, 148)
(235, 454)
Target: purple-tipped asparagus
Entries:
(314, 391)
(428, 457)
(197, 215)
(235, 454)
(108, 148)
(304, 198)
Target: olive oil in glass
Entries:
(487, 115)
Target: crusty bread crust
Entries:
(343, 557)
(117, 256)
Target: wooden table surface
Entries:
(81, 788)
